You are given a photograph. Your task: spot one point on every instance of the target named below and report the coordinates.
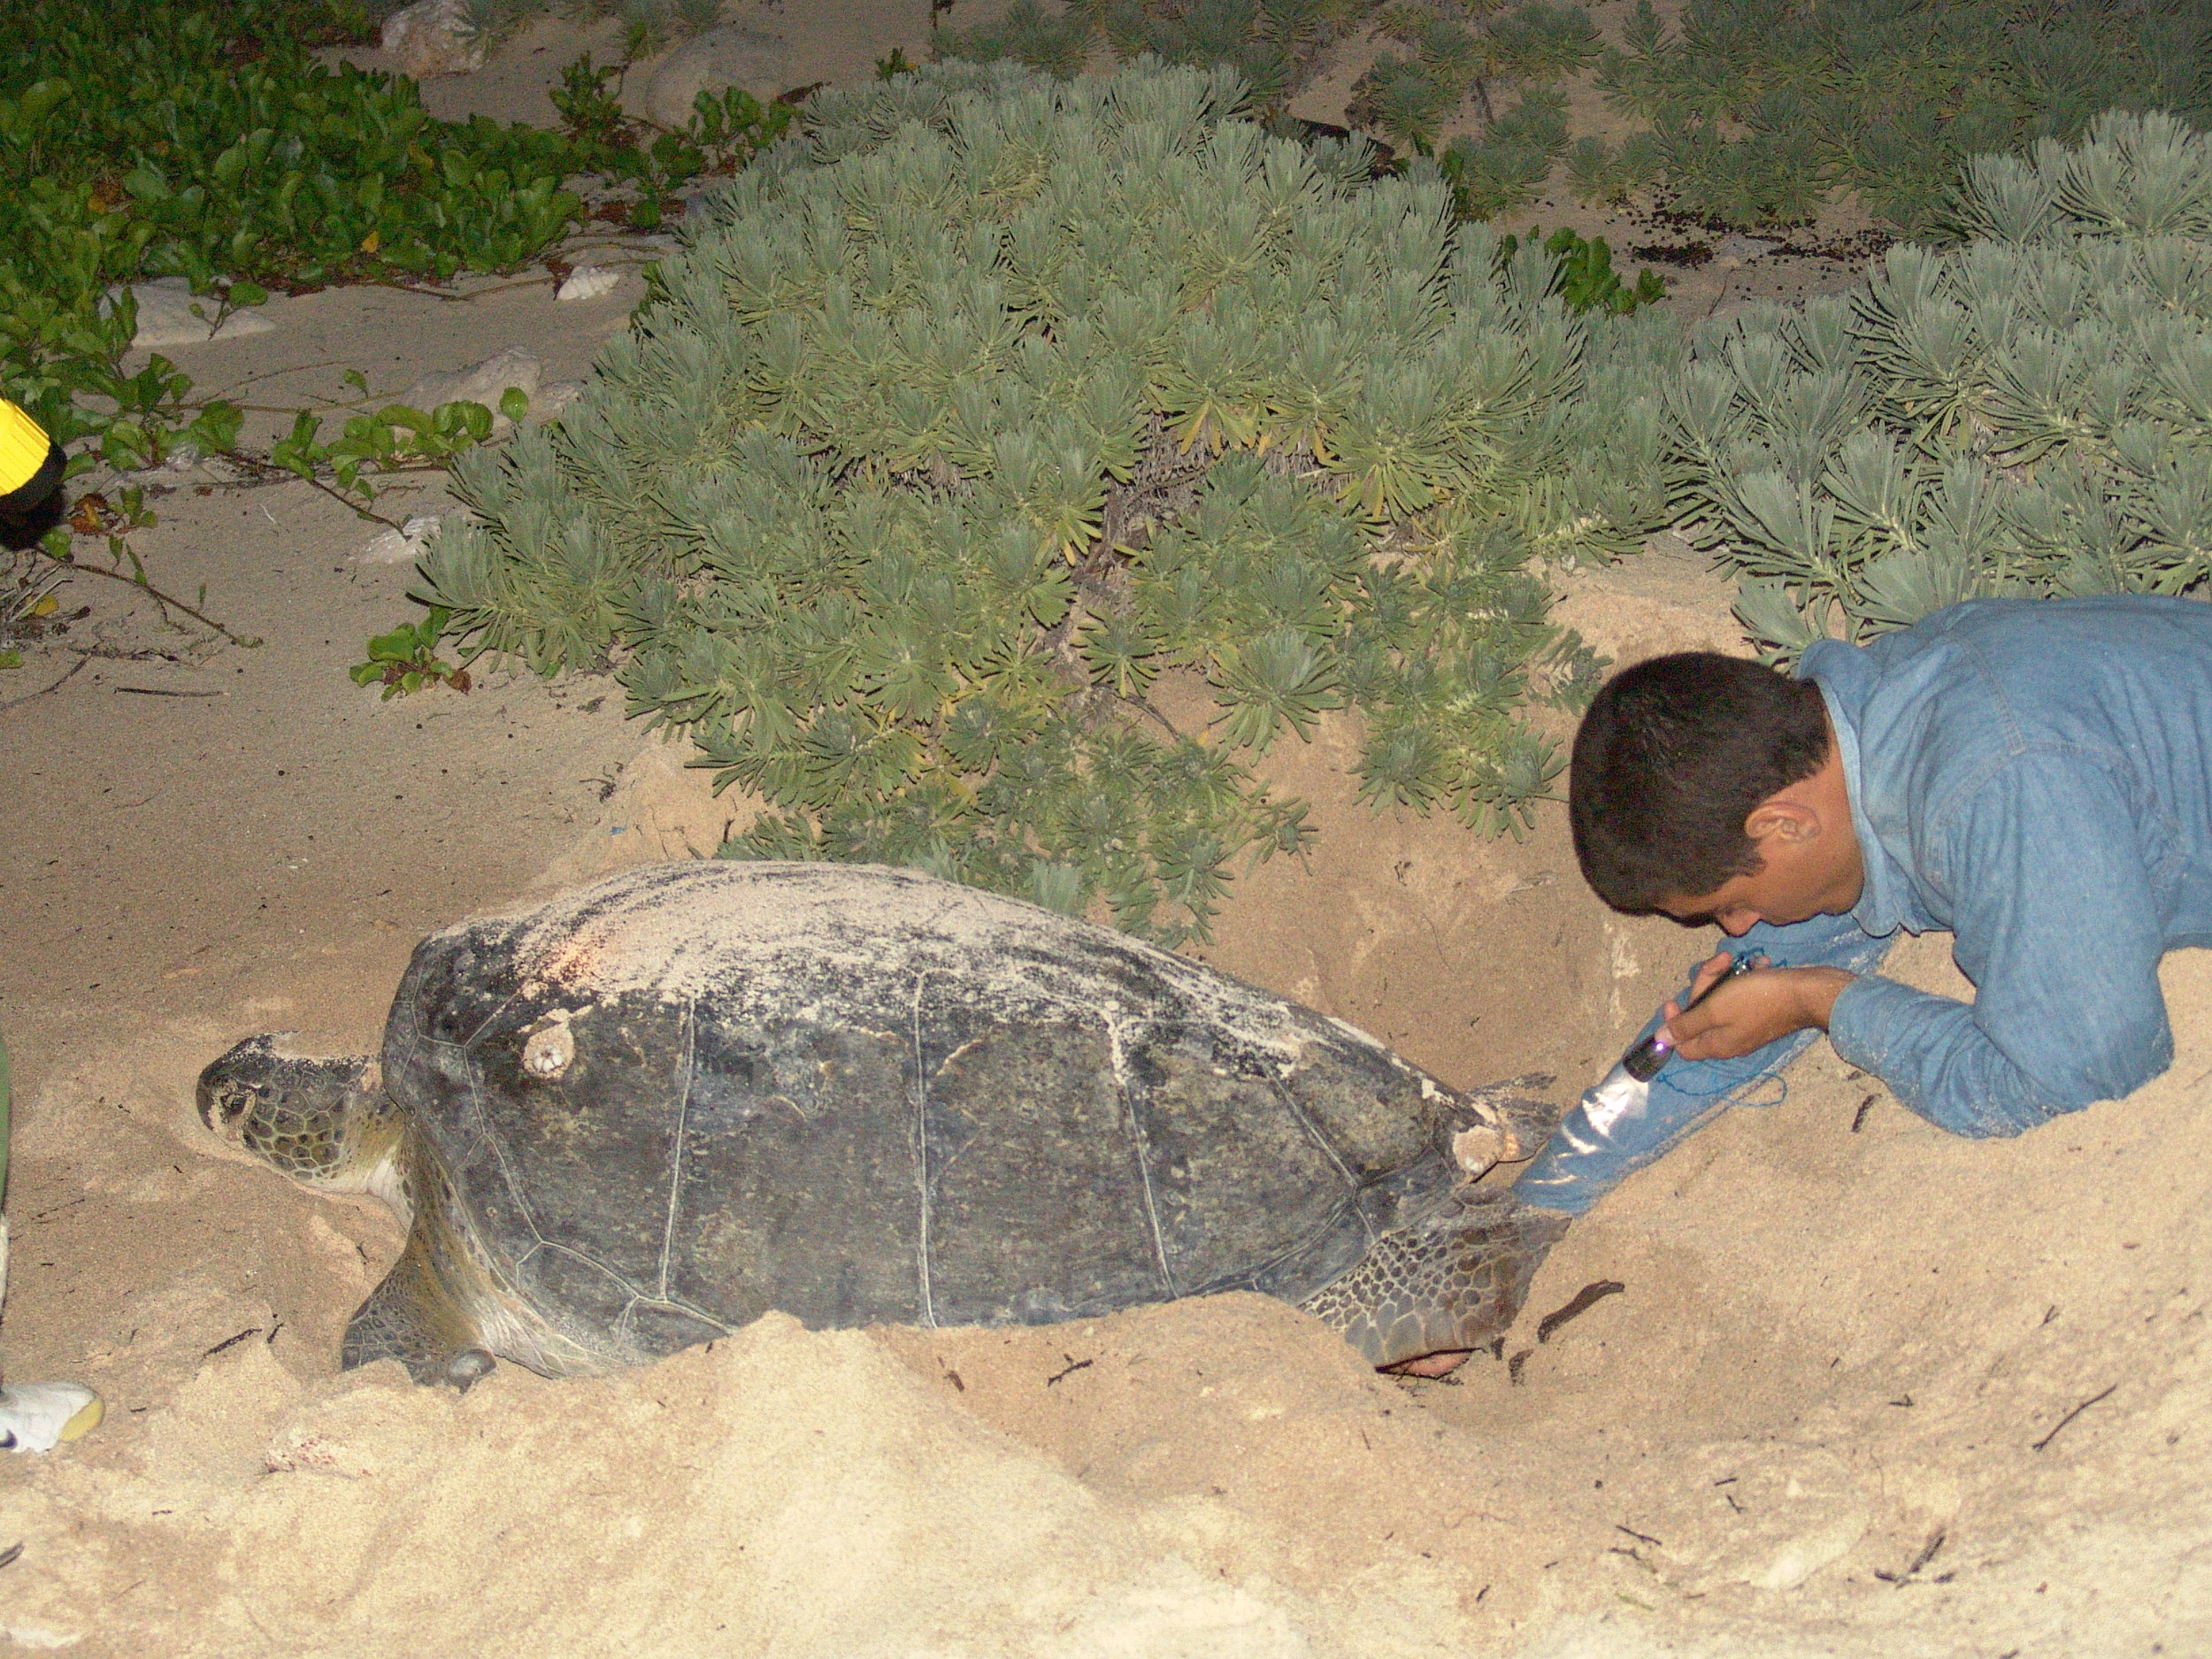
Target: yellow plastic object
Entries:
(87, 1420)
(24, 446)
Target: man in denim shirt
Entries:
(2036, 777)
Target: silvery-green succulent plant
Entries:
(2029, 413)
(963, 419)
(1761, 109)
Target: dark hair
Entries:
(1672, 757)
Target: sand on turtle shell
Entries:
(1866, 1389)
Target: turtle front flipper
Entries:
(414, 1317)
(1443, 1286)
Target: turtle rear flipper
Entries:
(1447, 1285)
(413, 1318)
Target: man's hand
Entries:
(1753, 1011)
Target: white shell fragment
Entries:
(39, 1416)
(588, 283)
(402, 546)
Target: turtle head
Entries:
(317, 1120)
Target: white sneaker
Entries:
(38, 1416)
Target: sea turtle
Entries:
(645, 1114)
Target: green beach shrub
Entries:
(1505, 168)
(1452, 53)
(951, 432)
(2029, 413)
(1762, 109)
(183, 140)
(180, 138)
(1272, 46)
(1605, 175)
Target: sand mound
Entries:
(781, 1493)
(1828, 1411)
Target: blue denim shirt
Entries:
(2035, 776)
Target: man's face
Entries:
(1781, 891)
(1807, 860)
(1808, 865)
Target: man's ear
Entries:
(1779, 818)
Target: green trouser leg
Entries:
(36, 1417)
(3, 1165)
(3, 1169)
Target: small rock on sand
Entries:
(587, 282)
(402, 546)
(514, 369)
(1743, 249)
(433, 37)
(730, 56)
(165, 317)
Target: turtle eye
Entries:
(223, 1104)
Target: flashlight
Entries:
(1643, 1062)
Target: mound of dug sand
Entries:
(1824, 1382)
(782, 1492)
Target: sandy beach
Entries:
(1867, 1389)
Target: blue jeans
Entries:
(1597, 1145)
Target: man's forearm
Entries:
(1751, 1012)
(1597, 1145)
(1817, 989)
(1934, 1057)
